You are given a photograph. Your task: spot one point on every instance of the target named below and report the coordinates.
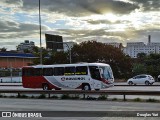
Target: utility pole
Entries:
(40, 32)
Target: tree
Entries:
(36, 52)
(148, 64)
(141, 55)
(27, 51)
(57, 58)
(152, 63)
(3, 49)
(92, 51)
(139, 68)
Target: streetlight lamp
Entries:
(69, 48)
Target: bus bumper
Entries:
(107, 85)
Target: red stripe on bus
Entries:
(36, 82)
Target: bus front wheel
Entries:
(45, 87)
(86, 87)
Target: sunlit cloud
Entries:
(80, 20)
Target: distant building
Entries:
(133, 48)
(15, 60)
(27, 45)
(54, 42)
(115, 44)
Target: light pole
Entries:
(40, 32)
(69, 48)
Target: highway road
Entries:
(13, 104)
(148, 88)
(7, 104)
(73, 105)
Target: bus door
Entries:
(95, 76)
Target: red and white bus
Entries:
(85, 76)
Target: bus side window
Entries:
(70, 70)
(94, 71)
(58, 71)
(48, 71)
(27, 72)
(81, 70)
(37, 72)
(24, 72)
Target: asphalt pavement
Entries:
(47, 105)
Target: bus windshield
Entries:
(107, 72)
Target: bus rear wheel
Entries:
(86, 87)
(45, 87)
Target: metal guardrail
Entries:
(138, 85)
(101, 92)
(18, 84)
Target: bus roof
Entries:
(67, 65)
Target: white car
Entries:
(141, 79)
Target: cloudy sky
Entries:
(79, 20)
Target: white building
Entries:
(26, 45)
(115, 44)
(133, 48)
